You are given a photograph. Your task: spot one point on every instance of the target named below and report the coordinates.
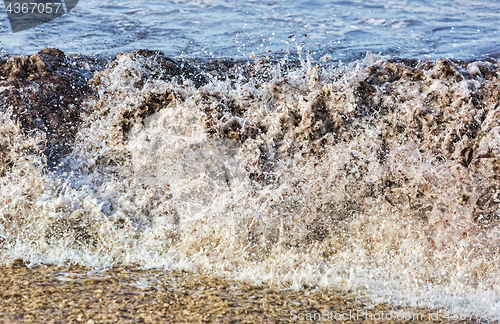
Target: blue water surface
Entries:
(228, 28)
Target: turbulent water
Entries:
(377, 177)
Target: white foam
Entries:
(170, 196)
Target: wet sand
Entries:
(73, 294)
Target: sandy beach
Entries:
(73, 294)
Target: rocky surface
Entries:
(48, 92)
(44, 92)
(445, 113)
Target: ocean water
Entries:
(344, 29)
(301, 161)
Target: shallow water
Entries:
(204, 29)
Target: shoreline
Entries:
(75, 294)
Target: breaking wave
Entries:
(379, 177)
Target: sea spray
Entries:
(379, 178)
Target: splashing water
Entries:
(379, 178)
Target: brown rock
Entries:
(161, 67)
(44, 92)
